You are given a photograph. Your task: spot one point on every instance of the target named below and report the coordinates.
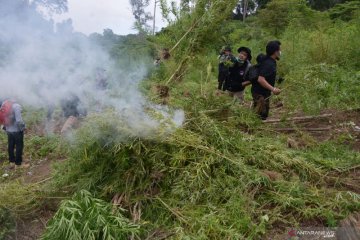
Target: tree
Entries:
(20, 21)
(249, 7)
(54, 6)
(244, 8)
(323, 5)
(185, 6)
(141, 16)
(279, 13)
(19, 12)
(262, 3)
(345, 11)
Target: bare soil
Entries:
(342, 126)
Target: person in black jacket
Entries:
(264, 86)
(226, 62)
(237, 82)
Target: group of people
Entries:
(13, 124)
(236, 73)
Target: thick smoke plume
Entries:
(41, 67)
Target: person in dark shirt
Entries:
(69, 106)
(265, 85)
(237, 81)
(226, 62)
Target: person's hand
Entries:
(276, 91)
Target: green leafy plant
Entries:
(86, 217)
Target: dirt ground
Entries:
(343, 126)
(31, 227)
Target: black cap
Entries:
(272, 47)
(247, 50)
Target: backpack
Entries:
(252, 74)
(5, 113)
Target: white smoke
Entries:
(40, 67)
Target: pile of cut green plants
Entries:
(205, 180)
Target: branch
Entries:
(182, 38)
(298, 118)
(303, 129)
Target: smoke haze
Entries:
(40, 67)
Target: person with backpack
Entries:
(12, 122)
(237, 82)
(264, 86)
(252, 74)
(226, 62)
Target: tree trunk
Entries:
(155, 2)
(245, 8)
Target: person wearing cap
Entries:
(237, 81)
(14, 126)
(226, 61)
(265, 85)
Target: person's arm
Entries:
(18, 117)
(264, 83)
(267, 86)
(246, 83)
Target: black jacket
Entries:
(237, 77)
(267, 70)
